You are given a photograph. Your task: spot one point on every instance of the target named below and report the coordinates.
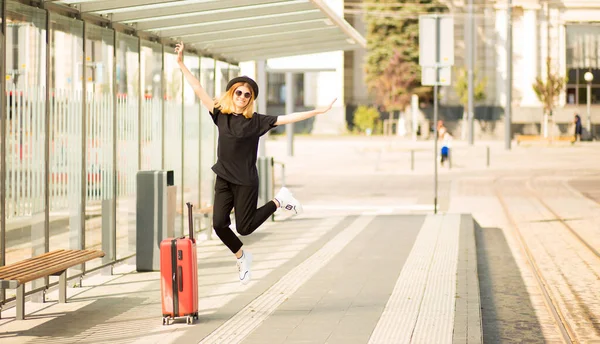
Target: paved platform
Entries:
(364, 278)
(368, 262)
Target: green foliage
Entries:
(462, 87)
(392, 64)
(548, 91)
(366, 117)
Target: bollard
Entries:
(487, 155)
(412, 160)
(449, 158)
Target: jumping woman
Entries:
(236, 185)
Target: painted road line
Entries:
(251, 316)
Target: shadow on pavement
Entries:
(103, 318)
(507, 313)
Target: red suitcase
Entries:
(179, 276)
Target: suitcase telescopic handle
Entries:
(190, 220)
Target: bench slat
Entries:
(19, 265)
(47, 264)
(42, 263)
(56, 268)
(36, 263)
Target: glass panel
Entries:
(582, 95)
(222, 77)
(99, 140)
(571, 95)
(173, 122)
(298, 89)
(191, 160)
(207, 135)
(276, 89)
(66, 137)
(127, 141)
(582, 46)
(572, 75)
(234, 71)
(25, 133)
(151, 126)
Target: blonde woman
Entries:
(236, 184)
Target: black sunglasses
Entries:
(247, 95)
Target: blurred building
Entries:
(567, 31)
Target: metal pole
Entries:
(435, 115)
(435, 145)
(3, 142)
(162, 94)
(47, 146)
(200, 77)
(470, 58)
(412, 160)
(84, 114)
(289, 108)
(508, 107)
(140, 104)
(113, 225)
(589, 105)
(487, 157)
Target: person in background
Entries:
(578, 127)
(446, 140)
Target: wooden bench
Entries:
(54, 263)
(530, 138)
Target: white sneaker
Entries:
(243, 265)
(287, 201)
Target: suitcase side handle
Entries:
(190, 220)
(180, 278)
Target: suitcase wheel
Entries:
(190, 319)
(166, 320)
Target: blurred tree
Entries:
(392, 64)
(366, 119)
(547, 91)
(462, 90)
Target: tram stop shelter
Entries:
(232, 30)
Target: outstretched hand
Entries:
(179, 50)
(326, 108)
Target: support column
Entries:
(261, 80)
(530, 49)
(508, 107)
(289, 108)
(20, 300)
(62, 287)
(501, 56)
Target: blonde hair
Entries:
(225, 102)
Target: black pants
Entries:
(247, 218)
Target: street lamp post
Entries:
(589, 77)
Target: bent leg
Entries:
(247, 217)
(223, 204)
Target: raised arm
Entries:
(205, 98)
(300, 116)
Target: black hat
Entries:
(245, 79)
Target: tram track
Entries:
(552, 300)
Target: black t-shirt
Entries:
(237, 147)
